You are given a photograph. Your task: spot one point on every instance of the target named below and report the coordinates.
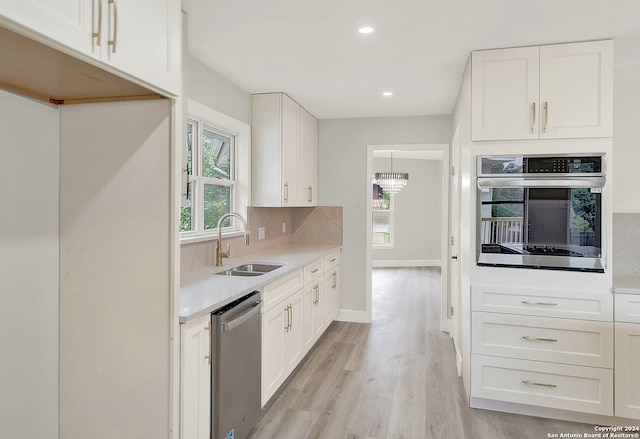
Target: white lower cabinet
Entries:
(550, 349)
(627, 372)
(297, 309)
(538, 383)
(281, 343)
(195, 357)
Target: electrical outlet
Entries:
(284, 227)
(260, 233)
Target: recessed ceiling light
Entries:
(365, 30)
(387, 93)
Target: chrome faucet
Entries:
(225, 254)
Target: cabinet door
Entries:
(68, 22)
(293, 337)
(146, 36)
(627, 372)
(290, 146)
(195, 405)
(504, 94)
(332, 295)
(274, 324)
(308, 308)
(307, 161)
(576, 92)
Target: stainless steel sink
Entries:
(252, 269)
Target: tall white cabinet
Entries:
(29, 268)
(116, 260)
(284, 143)
(542, 92)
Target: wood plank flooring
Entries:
(392, 379)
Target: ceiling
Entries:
(312, 50)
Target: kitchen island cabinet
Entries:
(542, 92)
(627, 357)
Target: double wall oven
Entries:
(541, 212)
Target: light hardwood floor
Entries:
(394, 378)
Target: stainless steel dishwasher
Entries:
(235, 369)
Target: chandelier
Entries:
(391, 182)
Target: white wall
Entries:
(342, 181)
(29, 264)
(210, 88)
(626, 139)
(417, 213)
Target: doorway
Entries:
(438, 154)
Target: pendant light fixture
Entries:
(391, 182)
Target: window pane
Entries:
(186, 213)
(217, 202)
(191, 130)
(381, 228)
(216, 155)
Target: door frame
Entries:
(445, 320)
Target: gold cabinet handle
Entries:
(314, 271)
(208, 357)
(286, 192)
(317, 289)
(113, 42)
(332, 260)
(533, 114)
(335, 280)
(530, 302)
(290, 316)
(98, 35)
(550, 340)
(546, 116)
(533, 383)
(310, 189)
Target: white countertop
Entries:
(202, 291)
(626, 284)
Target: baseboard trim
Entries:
(392, 263)
(353, 316)
(458, 361)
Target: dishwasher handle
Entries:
(230, 325)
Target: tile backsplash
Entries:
(303, 225)
(626, 244)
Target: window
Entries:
(382, 218)
(217, 168)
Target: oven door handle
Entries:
(577, 182)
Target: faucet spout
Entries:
(225, 254)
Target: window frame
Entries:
(390, 212)
(208, 118)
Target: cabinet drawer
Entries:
(331, 261)
(313, 271)
(565, 304)
(278, 290)
(559, 386)
(627, 308)
(577, 342)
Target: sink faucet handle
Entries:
(227, 252)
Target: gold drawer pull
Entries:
(332, 259)
(550, 340)
(315, 270)
(530, 302)
(533, 383)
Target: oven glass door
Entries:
(542, 227)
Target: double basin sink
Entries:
(252, 269)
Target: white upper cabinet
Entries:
(67, 22)
(504, 86)
(139, 40)
(284, 139)
(546, 92)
